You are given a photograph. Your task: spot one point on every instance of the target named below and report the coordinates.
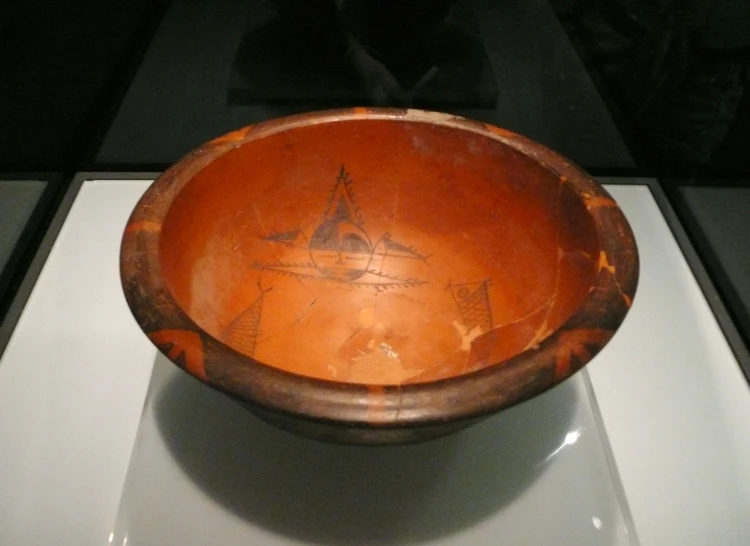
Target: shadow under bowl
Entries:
(377, 276)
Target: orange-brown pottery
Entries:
(378, 276)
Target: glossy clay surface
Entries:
(375, 252)
(375, 275)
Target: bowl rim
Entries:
(474, 394)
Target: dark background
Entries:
(654, 88)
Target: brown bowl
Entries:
(377, 276)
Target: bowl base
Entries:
(351, 435)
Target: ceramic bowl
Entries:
(377, 276)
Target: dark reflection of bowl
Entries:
(378, 276)
(329, 494)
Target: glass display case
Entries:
(25, 205)
(103, 441)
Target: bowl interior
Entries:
(378, 251)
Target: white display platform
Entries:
(205, 471)
(82, 461)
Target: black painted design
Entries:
(340, 250)
(473, 302)
(341, 203)
(243, 332)
(288, 237)
(180, 358)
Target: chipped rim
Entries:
(471, 395)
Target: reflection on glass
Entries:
(214, 67)
(570, 438)
(378, 52)
(678, 71)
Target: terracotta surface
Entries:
(377, 270)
